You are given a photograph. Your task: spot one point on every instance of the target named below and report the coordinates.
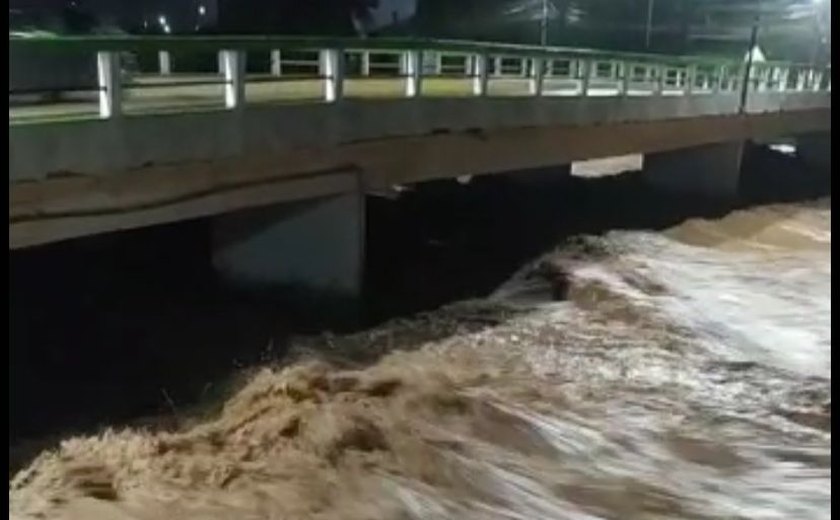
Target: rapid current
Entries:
(677, 374)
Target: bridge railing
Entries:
(487, 69)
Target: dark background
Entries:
(790, 29)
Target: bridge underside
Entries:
(63, 206)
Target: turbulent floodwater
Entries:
(682, 374)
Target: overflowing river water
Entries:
(682, 374)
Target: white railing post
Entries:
(721, 78)
(480, 81)
(234, 69)
(536, 83)
(414, 72)
(402, 64)
(276, 63)
(468, 65)
(690, 79)
(364, 66)
(322, 63)
(783, 79)
(626, 70)
(658, 79)
(585, 70)
(818, 76)
(110, 84)
(761, 79)
(524, 67)
(438, 63)
(164, 63)
(332, 61)
(497, 66)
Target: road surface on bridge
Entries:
(179, 93)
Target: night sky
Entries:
(679, 25)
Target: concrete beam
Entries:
(712, 170)
(100, 199)
(314, 246)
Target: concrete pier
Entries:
(315, 247)
(710, 170)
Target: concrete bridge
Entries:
(279, 139)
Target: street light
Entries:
(164, 24)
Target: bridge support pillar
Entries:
(710, 170)
(815, 151)
(309, 249)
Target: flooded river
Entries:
(676, 374)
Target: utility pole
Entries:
(544, 24)
(745, 87)
(649, 23)
(819, 34)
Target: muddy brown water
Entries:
(685, 374)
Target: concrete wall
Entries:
(315, 245)
(711, 171)
(116, 146)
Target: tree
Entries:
(318, 17)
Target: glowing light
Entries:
(202, 10)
